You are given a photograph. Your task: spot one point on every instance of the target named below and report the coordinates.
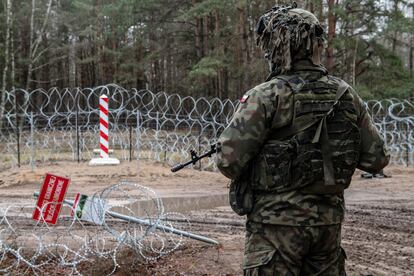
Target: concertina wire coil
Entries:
(146, 125)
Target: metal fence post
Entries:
(32, 142)
(157, 136)
(130, 142)
(17, 128)
(77, 127)
(199, 146)
(407, 154)
(18, 140)
(138, 140)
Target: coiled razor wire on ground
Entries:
(28, 246)
(63, 124)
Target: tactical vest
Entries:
(318, 153)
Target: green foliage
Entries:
(372, 43)
(206, 67)
(400, 89)
(387, 76)
(176, 45)
(205, 8)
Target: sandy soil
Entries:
(378, 232)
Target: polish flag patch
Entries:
(244, 98)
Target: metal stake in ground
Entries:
(77, 127)
(32, 143)
(148, 223)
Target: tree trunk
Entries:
(310, 6)
(6, 52)
(169, 63)
(206, 35)
(320, 12)
(29, 69)
(243, 34)
(197, 33)
(354, 65)
(114, 78)
(6, 62)
(395, 34)
(72, 62)
(219, 46)
(411, 58)
(330, 63)
(13, 60)
(34, 44)
(412, 50)
(44, 75)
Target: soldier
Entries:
(291, 149)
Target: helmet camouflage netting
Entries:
(285, 32)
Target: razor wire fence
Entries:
(47, 125)
(34, 247)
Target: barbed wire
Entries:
(29, 246)
(64, 125)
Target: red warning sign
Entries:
(49, 202)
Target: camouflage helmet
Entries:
(286, 32)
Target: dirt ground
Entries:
(378, 233)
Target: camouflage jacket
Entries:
(267, 106)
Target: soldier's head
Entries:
(287, 34)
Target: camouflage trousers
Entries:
(293, 250)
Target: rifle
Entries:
(195, 158)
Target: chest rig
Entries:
(319, 151)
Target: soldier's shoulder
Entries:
(275, 86)
(352, 94)
(332, 79)
(336, 80)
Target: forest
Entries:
(195, 47)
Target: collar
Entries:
(303, 68)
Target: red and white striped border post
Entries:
(104, 126)
(104, 158)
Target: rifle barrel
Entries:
(178, 167)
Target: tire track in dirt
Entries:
(379, 239)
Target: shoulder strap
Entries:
(321, 135)
(342, 88)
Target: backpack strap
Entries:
(321, 135)
(342, 88)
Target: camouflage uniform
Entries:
(295, 231)
(279, 250)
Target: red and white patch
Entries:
(244, 98)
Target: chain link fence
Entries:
(47, 125)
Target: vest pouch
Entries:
(241, 196)
(344, 144)
(272, 169)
